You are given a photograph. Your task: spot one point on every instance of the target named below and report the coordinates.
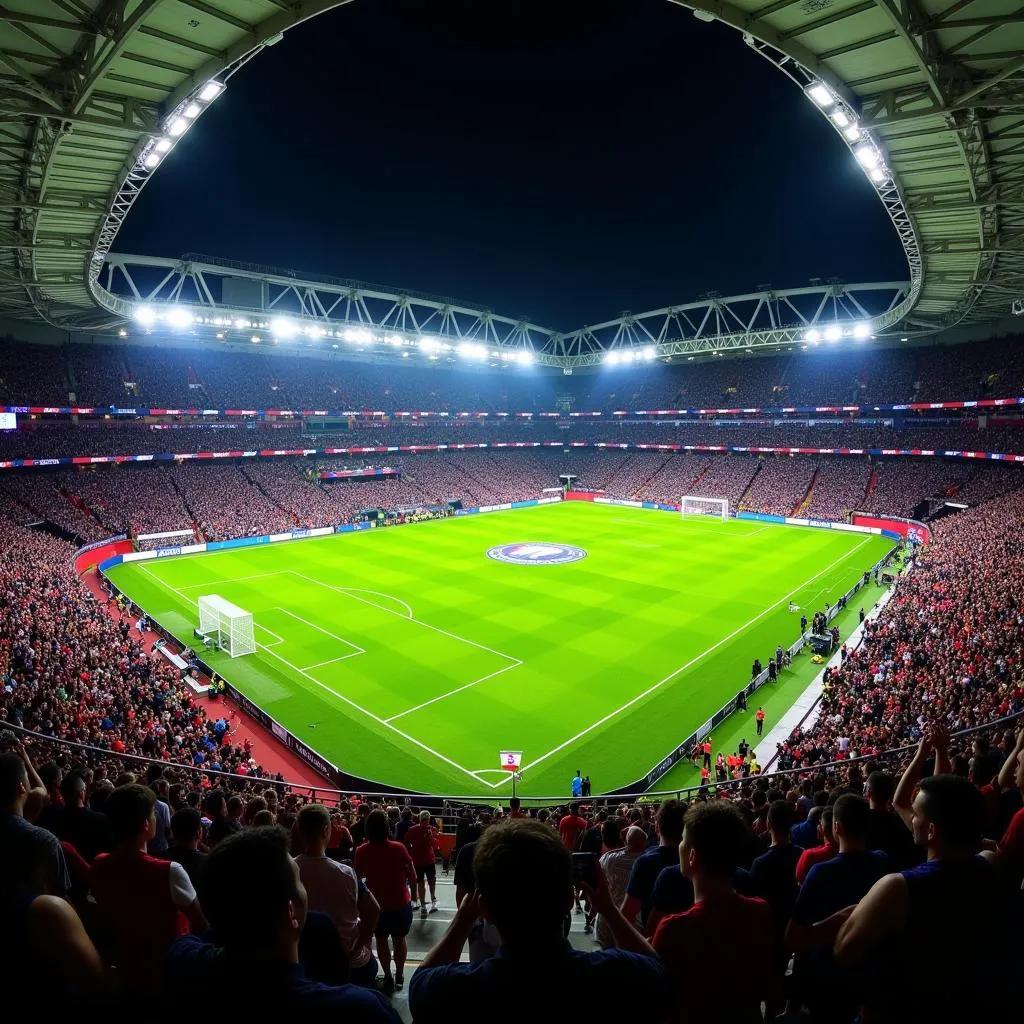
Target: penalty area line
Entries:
(693, 661)
(347, 700)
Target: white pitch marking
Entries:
(236, 579)
(390, 597)
(277, 639)
(419, 622)
(341, 697)
(458, 689)
(691, 662)
(334, 636)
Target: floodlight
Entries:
(524, 357)
(472, 350)
(211, 91)
(146, 315)
(191, 112)
(177, 127)
(240, 323)
(395, 340)
(862, 331)
(628, 355)
(877, 175)
(649, 352)
(821, 94)
(282, 327)
(813, 336)
(179, 317)
(429, 344)
(163, 145)
(867, 155)
(152, 159)
(612, 358)
(254, 338)
(122, 333)
(852, 133)
(833, 333)
(839, 117)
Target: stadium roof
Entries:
(89, 87)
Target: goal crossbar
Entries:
(691, 505)
(231, 626)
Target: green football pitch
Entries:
(408, 657)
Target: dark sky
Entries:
(560, 159)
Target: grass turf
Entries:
(408, 657)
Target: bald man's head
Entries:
(636, 839)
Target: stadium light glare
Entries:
(152, 159)
(472, 350)
(852, 133)
(877, 175)
(524, 357)
(813, 336)
(839, 118)
(862, 331)
(867, 156)
(821, 94)
(145, 315)
(833, 333)
(241, 324)
(163, 145)
(211, 91)
(177, 127)
(395, 341)
(429, 345)
(282, 327)
(649, 352)
(254, 338)
(122, 333)
(191, 112)
(179, 317)
(612, 358)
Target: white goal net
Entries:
(692, 506)
(229, 626)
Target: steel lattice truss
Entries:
(88, 86)
(234, 300)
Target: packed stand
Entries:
(840, 488)
(902, 483)
(780, 486)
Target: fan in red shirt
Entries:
(421, 841)
(571, 827)
(1011, 846)
(389, 873)
(818, 854)
(715, 836)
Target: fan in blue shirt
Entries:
(524, 879)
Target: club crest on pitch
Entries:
(536, 553)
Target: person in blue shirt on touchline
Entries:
(577, 784)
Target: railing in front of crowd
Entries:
(450, 804)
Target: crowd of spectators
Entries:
(840, 488)
(204, 377)
(947, 646)
(70, 670)
(780, 485)
(38, 439)
(252, 496)
(190, 891)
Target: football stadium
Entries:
(380, 648)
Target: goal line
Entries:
(691, 505)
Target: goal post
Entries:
(690, 505)
(230, 626)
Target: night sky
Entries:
(564, 160)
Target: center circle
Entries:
(536, 553)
